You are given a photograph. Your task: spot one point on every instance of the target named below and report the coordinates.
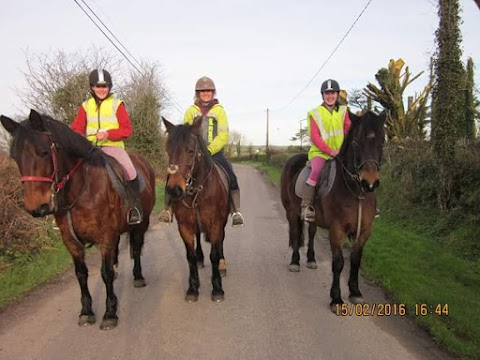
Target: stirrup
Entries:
(165, 217)
(54, 225)
(308, 214)
(134, 216)
(237, 219)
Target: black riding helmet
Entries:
(330, 85)
(100, 77)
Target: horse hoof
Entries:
(336, 308)
(86, 320)
(191, 297)
(138, 283)
(356, 299)
(218, 297)
(294, 268)
(108, 324)
(311, 265)
(200, 265)
(223, 273)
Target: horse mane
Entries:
(67, 139)
(180, 134)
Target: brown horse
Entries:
(200, 201)
(348, 209)
(64, 175)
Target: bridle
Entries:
(355, 175)
(190, 188)
(54, 178)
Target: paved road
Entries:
(268, 313)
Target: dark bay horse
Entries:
(64, 175)
(200, 201)
(348, 209)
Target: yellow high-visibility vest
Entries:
(330, 126)
(102, 118)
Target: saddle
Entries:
(116, 174)
(325, 180)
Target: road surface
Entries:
(268, 313)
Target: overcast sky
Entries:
(260, 53)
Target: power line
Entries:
(329, 57)
(111, 33)
(165, 93)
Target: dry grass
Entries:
(20, 234)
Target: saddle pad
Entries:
(324, 183)
(224, 176)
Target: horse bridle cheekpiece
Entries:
(53, 179)
(174, 168)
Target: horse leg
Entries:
(110, 319)
(311, 261)
(86, 317)
(215, 255)
(136, 245)
(222, 265)
(336, 240)
(355, 259)
(295, 237)
(199, 251)
(193, 280)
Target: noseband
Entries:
(56, 185)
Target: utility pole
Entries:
(300, 135)
(267, 149)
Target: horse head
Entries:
(35, 154)
(186, 152)
(361, 152)
(39, 148)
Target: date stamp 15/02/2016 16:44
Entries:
(390, 309)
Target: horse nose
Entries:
(40, 211)
(369, 187)
(175, 192)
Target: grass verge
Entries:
(21, 277)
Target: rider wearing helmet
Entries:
(216, 135)
(327, 126)
(104, 120)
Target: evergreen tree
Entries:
(448, 115)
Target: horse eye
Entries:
(44, 153)
(191, 152)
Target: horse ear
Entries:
(353, 117)
(382, 116)
(9, 124)
(168, 124)
(37, 121)
(197, 123)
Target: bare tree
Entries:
(235, 141)
(57, 83)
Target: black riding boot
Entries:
(135, 214)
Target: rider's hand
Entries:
(103, 135)
(334, 152)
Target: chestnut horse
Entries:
(65, 175)
(348, 209)
(200, 201)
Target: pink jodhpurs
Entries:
(122, 157)
(317, 165)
